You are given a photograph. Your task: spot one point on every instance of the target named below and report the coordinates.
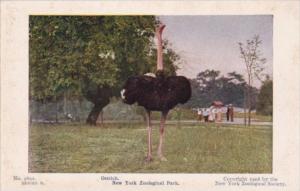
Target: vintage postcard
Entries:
(150, 95)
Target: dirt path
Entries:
(237, 121)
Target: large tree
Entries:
(232, 88)
(89, 56)
(265, 98)
(254, 61)
(210, 86)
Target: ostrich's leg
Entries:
(149, 154)
(161, 135)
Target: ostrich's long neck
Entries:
(159, 30)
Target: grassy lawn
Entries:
(255, 117)
(74, 148)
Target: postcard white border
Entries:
(14, 90)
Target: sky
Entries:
(211, 42)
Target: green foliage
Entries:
(253, 58)
(265, 98)
(84, 53)
(67, 51)
(210, 86)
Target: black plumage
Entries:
(160, 93)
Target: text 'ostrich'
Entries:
(157, 93)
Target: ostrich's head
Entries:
(127, 96)
(130, 92)
(159, 29)
(122, 94)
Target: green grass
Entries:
(122, 148)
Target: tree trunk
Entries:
(101, 117)
(100, 97)
(245, 106)
(249, 117)
(65, 104)
(249, 100)
(56, 110)
(93, 115)
(80, 109)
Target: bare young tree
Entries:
(254, 61)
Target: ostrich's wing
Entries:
(137, 87)
(140, 83)
(179, 89)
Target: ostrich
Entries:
(156, 93)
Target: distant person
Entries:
(231, 113)
(212, 114)
(227, 113)
(200, 114)
(205, 115)
(219, 115)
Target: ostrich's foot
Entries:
(162, 158)
(148, 159)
